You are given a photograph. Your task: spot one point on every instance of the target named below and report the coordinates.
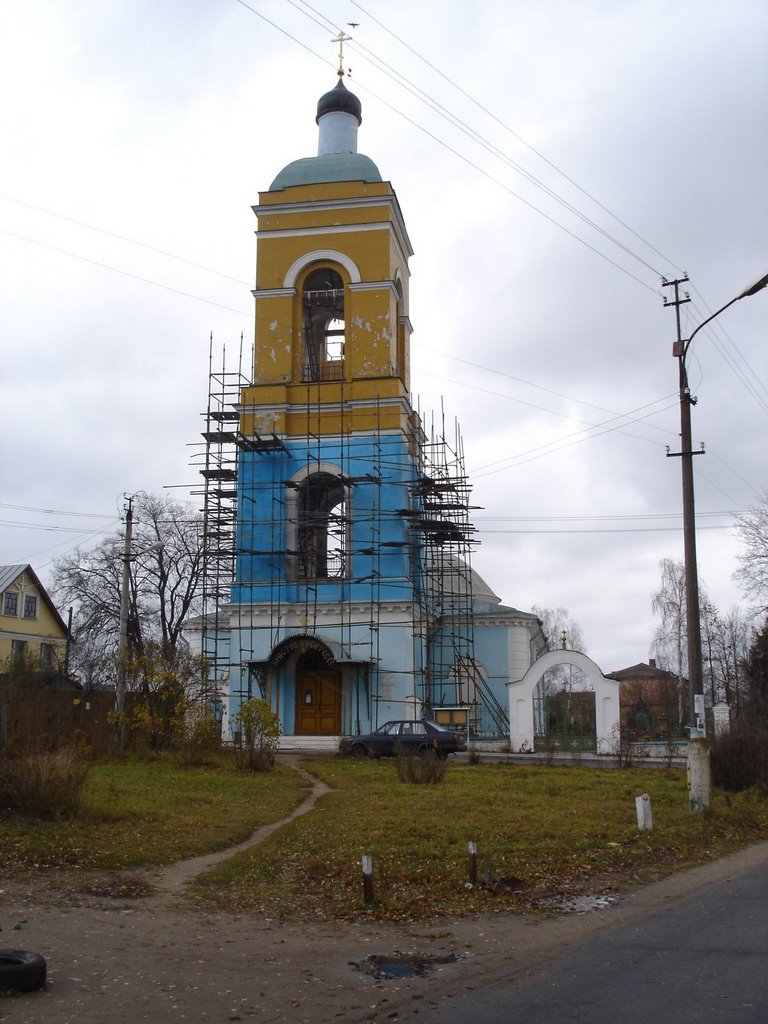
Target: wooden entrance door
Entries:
(318, 701)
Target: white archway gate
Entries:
(521, 726)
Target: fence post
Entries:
(472, 848)
(367, 878)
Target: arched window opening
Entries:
(324, 325)
(322, 528)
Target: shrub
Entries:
(740, 758)
(422, 769)
(258, 736)
(624, 748)
(202, 736)
(44, 784)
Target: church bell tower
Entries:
(326, 619)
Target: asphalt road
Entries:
(700, 959)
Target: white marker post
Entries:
(644, 816)
(367, 878)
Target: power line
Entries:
(528, 383)
(640, 529)
(631, 516)
(464, 158)
(490, 147)
(44, 526)
(123, 238)
(506, 127)
(59, 512)
(125, 273)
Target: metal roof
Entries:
(312, 170)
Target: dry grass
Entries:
(540, 832)
(43, 784)
(138, 812)
(425, 769)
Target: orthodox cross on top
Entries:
(341, 38)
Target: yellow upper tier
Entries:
(355, 231)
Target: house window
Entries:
(46, 656)
(18, 650)
(30, 606)
(324, 326)
(10, 603)
(322, 527)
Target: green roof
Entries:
(312, 170)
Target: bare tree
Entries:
(752, 573)
(561, 630)
(756, 670)
(671, 635)
(557, 621)
(712, 650)
(669, 604)
(165, 584)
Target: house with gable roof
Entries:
(31, 628)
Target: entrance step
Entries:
(319, 744)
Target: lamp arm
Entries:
(705, 322)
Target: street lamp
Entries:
(699, 777)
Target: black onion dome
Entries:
(339, 100)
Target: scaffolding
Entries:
(339, 584)
(222, 440)
(444, 537)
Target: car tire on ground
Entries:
(21, 971)
(359, 750)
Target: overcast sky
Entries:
(138, 134)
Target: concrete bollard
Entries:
(644, 815)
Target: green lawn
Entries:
(151, 812)
(550, 830)
(553, 830)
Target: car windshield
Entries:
(388, 728)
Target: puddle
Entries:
(581, 904)
(403, 965)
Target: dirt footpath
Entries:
(116, 959)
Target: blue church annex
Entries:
(338, 584)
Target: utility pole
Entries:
(699, 773)
(698, 754)
(122, 650)
(68, 646)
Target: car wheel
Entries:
(359, 750)
(21, 971)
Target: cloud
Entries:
(164, 128)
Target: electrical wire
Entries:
(516, 135)
(475, 136)
(58, 511)
(123, 238)
(466, 159)
(125, 273)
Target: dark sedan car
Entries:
(409, 736)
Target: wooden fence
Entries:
(45, 718)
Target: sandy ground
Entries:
(115, 959)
